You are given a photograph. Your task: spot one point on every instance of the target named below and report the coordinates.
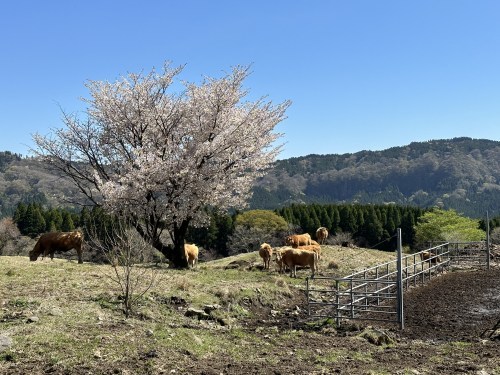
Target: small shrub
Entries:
(333, 265)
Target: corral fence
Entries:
(376, 293)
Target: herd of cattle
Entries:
(300, 249)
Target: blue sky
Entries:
(361, 74)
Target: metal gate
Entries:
(376, 293)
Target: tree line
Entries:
(371, 226)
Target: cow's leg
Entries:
(79, 252)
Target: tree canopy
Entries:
(447, 225)
(263, 219)
(160, 158)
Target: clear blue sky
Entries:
(362, 74)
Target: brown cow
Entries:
(314, 248)
(321, 235)
(266, 252)
(49, 243)
(429, 256)
(296, 257)
(191, 254)
(296, 240)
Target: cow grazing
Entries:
(296, 240)
(191, 254)
(266, 252)
(314, 248)
(428, 256)
(52, 242)
(321, 235)
(296, 257)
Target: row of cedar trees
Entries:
(370, 225)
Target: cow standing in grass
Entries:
(191, 252)
(429, 256)
(266, 252)
(296, 240)
(52, 242)
(292, 258)
(321, 235)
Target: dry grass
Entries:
(63, 316)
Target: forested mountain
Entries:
(26, 180)
(459, 173)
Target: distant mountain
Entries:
(459, 173)
(26, 180)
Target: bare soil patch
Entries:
(447, 327)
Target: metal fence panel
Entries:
(372, 294)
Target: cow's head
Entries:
(33, 254)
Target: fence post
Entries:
(400, 281)
(487, 241)
(337, 301)
(308, 300)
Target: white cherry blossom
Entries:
(160, 157)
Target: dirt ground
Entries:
(448, 330)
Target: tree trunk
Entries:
(179, 238)
(175, 254)
(178, 258)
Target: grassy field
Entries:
(65, 318)
(63, 315)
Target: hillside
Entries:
(227, 317)
(26, 180)
(460, 173)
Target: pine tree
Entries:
(34, 221)
(67, 224)
(20, 217)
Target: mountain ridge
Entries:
(459, 173)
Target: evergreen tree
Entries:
(67, 224)
(20, 217)
(334, 215)
(53, 219)
(326, 221)
(34, 221)
(372, 229)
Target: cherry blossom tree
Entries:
(159, 157)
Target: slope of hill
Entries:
(60, 317)
(26, 180)
(459, 173)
